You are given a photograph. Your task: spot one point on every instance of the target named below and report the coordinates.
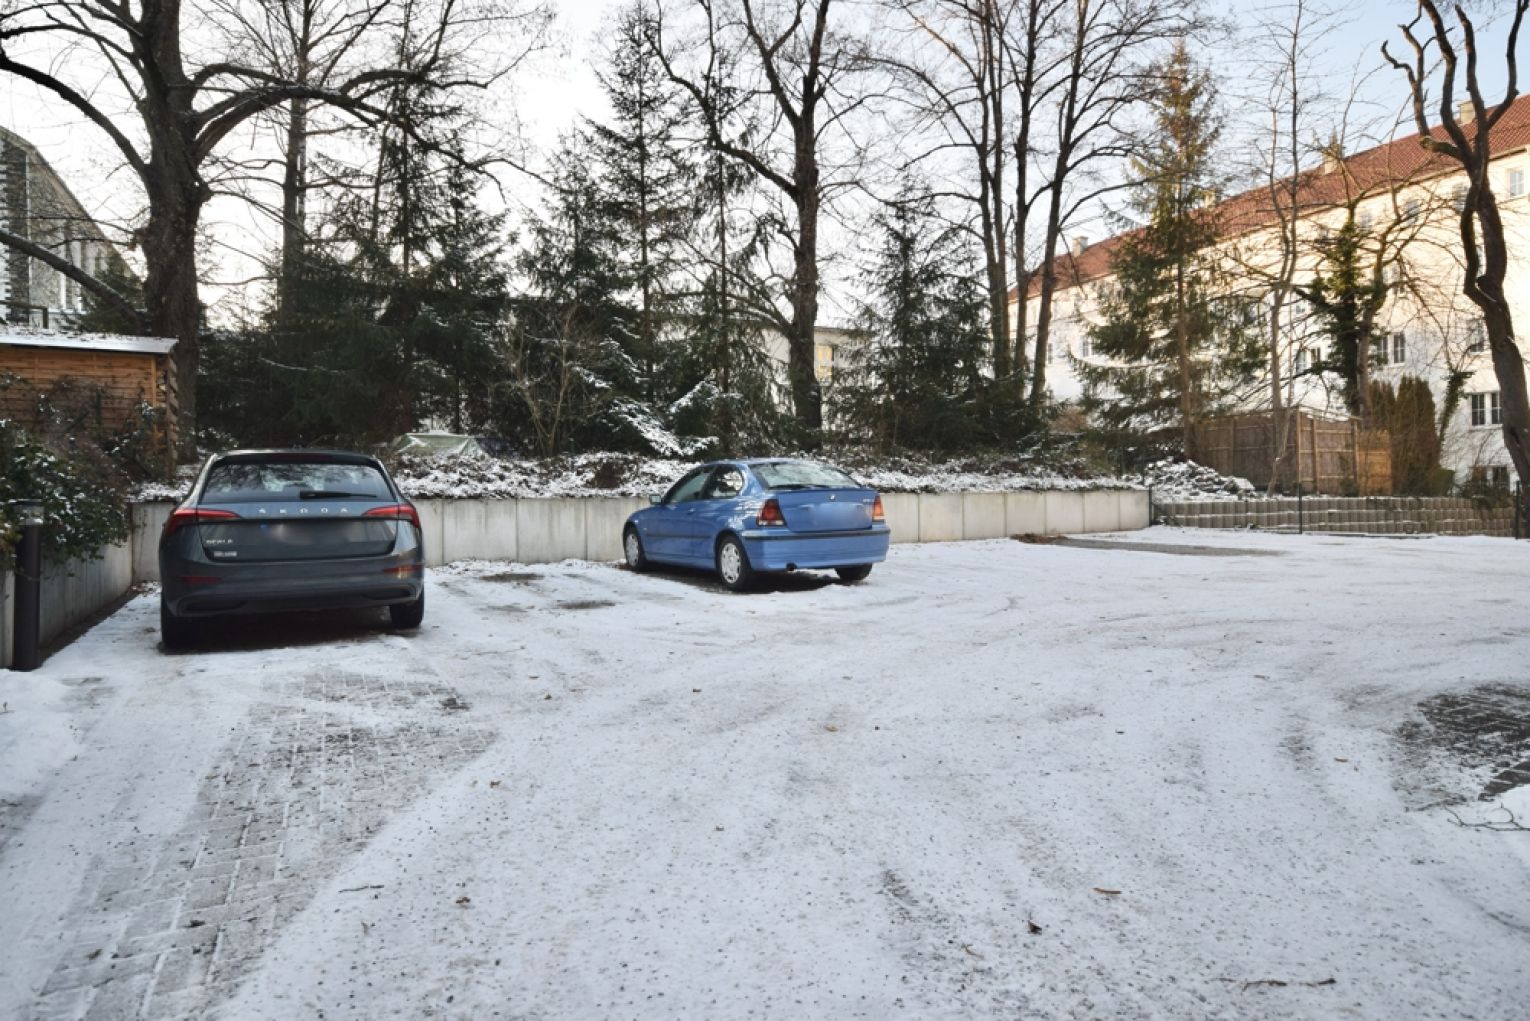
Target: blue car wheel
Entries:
(733, 565)
(632, 550)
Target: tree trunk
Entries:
(294, 212)
(807, 397)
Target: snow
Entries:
(583, 792)
(31, 336)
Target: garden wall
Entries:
(1374, 515)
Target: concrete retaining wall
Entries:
(546, 530)
(1380, 515)
(71, 593)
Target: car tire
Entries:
(851, 575)
(733, 568)
(407, 616)
(632, 550)
(175, 632)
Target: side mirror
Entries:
(654, 499)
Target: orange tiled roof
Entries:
(1397, 162)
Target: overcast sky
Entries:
(550, 95)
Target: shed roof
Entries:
(22, 336)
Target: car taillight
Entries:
(397, 511)
(877, 514)
(184, 516)
(770, 514)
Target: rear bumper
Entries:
(235, 595)
(782, 551)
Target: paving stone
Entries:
(1480, 729)
(299, 789)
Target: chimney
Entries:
(1079, 244)
(1465, 112)
(1333, 153)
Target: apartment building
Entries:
(36, 204)
(1406, 201)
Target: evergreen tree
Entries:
(1173, 348)
(390, 320)
(920, 383)
(1346, 295)
(649, 183)
(573, 382)
(1408, 415)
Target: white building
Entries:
(1405, 199)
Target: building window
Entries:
(1495, 475)
(1458, 198)
(1486, 409)
(1410, 209)
(1364, 219)
(1476, 336)
(1516, 183)
(1299, 364)
(823, 362)
(1399, 348)
(1086, 347)
(1379, 351)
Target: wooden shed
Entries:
(122, 372)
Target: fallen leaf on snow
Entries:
(1108, 893)
(463, 901)
(971, 951)
(495, 783)
(831, 728)
(1032, 928)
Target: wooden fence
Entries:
(1324, 455)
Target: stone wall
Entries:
(1393, 515)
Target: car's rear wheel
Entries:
(632, 550)
(733, 564)
(853, 574)
(404, 616)
(175, 632)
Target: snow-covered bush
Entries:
(83, 507)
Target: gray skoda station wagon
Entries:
(270, 530)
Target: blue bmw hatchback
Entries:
(744, 518)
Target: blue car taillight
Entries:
(770, 514)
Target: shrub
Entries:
(84, 507)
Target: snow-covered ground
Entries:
(995, 780)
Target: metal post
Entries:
(1151, 512)
(1519, 509)
(1301, 523)
(27, 616)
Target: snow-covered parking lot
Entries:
(996, 780)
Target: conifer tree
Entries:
(572, 380)
(649, 182)
(920, 382)
(1170, 348)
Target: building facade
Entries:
(1405, 202)
(36, 204)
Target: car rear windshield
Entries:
(268, 482)
(802, 475)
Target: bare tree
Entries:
(1467, 141)
(188, 100)
(978, 76)
(1110, 47)
(804, 70)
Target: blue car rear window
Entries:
(802, 474)
(255, 481)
